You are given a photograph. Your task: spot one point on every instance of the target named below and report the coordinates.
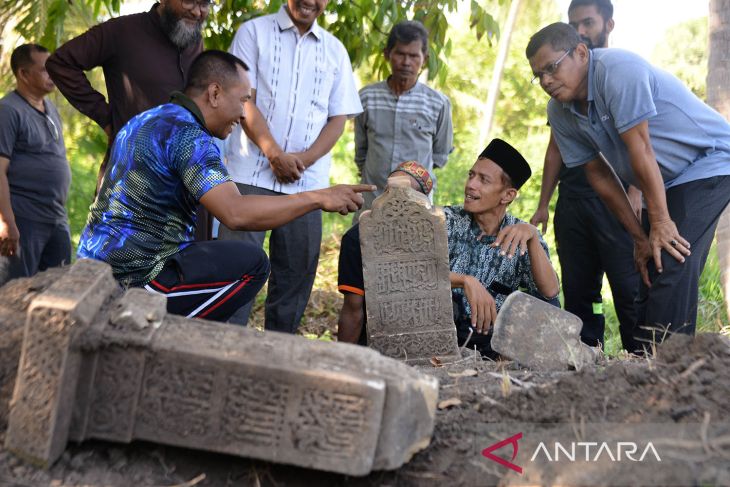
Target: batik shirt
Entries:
(474, 256)
(162, 162)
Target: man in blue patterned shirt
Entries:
(163, 162)
(492, 253)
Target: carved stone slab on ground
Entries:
(406, 271)
(40, 411)
(136, 373)
(539, 335)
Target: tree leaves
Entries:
(361, 25)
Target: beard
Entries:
(178, 31)
(601, 39)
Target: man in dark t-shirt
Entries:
(34, 172)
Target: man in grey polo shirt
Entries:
(655, 134)
(402, 119)
(34, 173)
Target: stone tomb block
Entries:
(539, 335)
(406, 272)
(139, 374)
(40, 411)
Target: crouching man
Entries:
(492, 253)
(163, 162)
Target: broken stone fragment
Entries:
(139, 309)
(539, 335)
(94, 366)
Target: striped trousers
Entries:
(211, 280)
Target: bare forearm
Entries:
(262, 213)
(327, 139)
(257, 130)
(543, 273)
(456, 280)
(550, 172)
(6, 211)
(646, 170)
(352, 318)
(610, 190)
(251, 212)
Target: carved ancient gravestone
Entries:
(96, 366)
(406, 271)
(539, 335)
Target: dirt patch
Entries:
(687, 383)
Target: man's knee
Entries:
(256, 262)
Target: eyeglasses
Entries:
(52, 128)
(204, 5)
(551, 69)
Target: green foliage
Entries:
(361, 25)
(683, 52)
(711, 311)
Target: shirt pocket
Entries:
(322, 83)
(422, 124)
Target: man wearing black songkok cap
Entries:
(492, 253)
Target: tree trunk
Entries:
(718, 96)
(504, 41)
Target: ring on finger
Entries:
(673, 243)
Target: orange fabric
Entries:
(350, 289)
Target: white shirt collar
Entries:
(285, 22)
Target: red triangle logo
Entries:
(512, 440)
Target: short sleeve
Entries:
(575, 147)
(199, 165)
(627, 89)
(343, 99)
(349, 270)
(244, 47)
(9, 122)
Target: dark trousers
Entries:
(590, 241)
(211, 280)
(42, 245)
(670, 305)
(294, 254)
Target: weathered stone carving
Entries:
(47, 374)
(406, 271)
(121, 370)
(539, 335)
